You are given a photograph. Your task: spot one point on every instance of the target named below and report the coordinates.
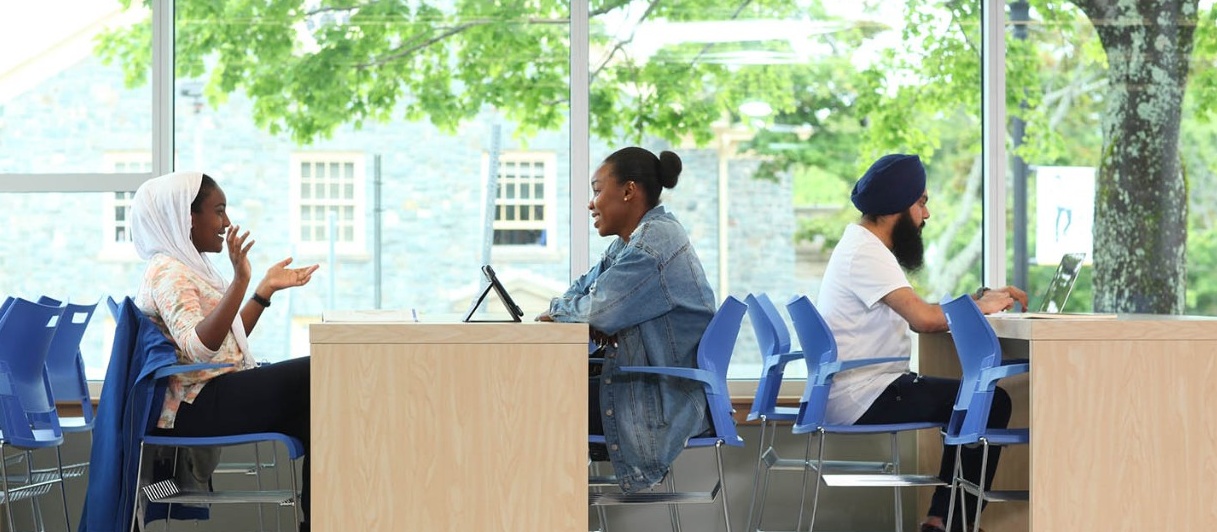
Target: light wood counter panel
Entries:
(1123, 419)
(449, 426)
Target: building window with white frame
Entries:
(118, 241)
(524, 201)
(328, 191)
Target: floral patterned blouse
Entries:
(177, 299)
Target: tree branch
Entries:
(620, 46)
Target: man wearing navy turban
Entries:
(868, 302)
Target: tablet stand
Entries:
(478, 302)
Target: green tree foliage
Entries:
(310, 66)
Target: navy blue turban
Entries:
(893, 184)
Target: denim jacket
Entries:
(652, 294)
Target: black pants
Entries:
(595, 424)
(270, 398)
(913, 398)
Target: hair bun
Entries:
(669, 169)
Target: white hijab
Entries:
(160, 223)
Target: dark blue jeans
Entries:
(913, 398)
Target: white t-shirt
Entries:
(860, 272)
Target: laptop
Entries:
(1058, 292)
(1062, 282)
(513, 310)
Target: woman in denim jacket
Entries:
(648, 302)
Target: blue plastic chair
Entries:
(28, 419)
(140, 362)
(980, 359)
(820, 354)
(773, 339)
(713, 356)
(168, 492)
(66, 368)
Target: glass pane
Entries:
(1096, 172)
(814, 92)
(53, 120)
(90, 263)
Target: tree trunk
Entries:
(1140, 226)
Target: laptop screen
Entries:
(1062, 282)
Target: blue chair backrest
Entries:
(773, 339)
(819, 349)
(29, 417)
(714, 355)
(115, 311)
(766, 340)
(978, 350)
(64, 363)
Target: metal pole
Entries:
(376, 209)
(1019, 16)
(332, 223)
(492, 190)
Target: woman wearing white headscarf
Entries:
(175, 218)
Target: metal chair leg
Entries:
(593, 470)
(673, 509)
(258, 481)
(896, 489)
(803, 492)
(956, 472)
(63, 490)
(722, 485)
(296, 507)
(8, 492)
(139, 472)
(819, 479)
(756, 475)
(980, 488)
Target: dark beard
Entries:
(907, 245)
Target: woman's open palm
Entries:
(279, 276)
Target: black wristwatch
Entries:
(260, 300)
(980, 292)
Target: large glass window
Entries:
(69, 122)
(63, 103)
(387, 118)
(776, 108)
(1110, 138)
(375, 120)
